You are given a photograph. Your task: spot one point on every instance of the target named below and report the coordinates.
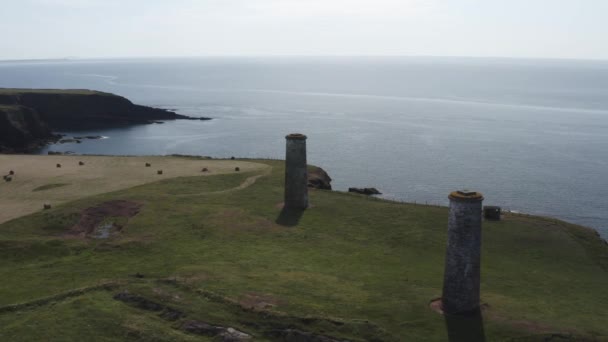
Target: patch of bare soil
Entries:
(92, 217)
(436, 305)
(258, 301)
(167, 313)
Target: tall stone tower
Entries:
(463, 255)
(296, 174)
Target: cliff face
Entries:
(70, 106)
(27, 115)
(21, 128)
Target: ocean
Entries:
(531, 135)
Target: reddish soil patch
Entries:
(92, 217)
(436, 305)
(258, 302)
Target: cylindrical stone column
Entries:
(463, 255)
(296, 174)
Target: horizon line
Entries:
(75, 59)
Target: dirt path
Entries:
(249, 181)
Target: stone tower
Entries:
(296, 174)
(463, 255)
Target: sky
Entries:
(40, 29)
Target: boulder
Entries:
(365, 191)
(226, 334)
(319, 179)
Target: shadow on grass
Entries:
(465, 327)
(289, 217)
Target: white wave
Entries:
(108, 78)
(426, 99)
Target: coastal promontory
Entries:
(28, 116)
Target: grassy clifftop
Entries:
(19, 91)
(219, 250)
(57, 106)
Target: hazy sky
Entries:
(137, 28)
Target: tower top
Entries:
(466, 196)
(296, 136)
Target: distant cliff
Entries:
(21, 129)
(27, 116)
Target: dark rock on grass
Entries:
(221, 333)
(293, 335)
(233, 335)
(172, 315)
(365, 191)
(319, 179)
(202, 328)
(138, 301)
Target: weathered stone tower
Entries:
(296, 174)
(463, 255)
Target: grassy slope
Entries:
(372, 265)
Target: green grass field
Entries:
(219, 250)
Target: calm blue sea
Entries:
(532, 135)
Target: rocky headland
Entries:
(28, 117)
